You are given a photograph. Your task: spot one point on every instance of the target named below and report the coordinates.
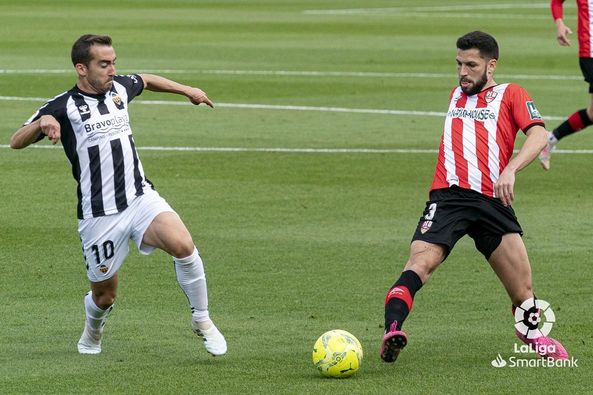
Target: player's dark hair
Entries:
(483, 42)
(81, 50)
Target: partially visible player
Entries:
(583, 117)
(473, 188)
(116, 202)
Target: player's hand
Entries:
(50, 127)
(198, 96)
(503, 188)
(562, 32)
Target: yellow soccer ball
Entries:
(337, 353)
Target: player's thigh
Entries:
(105, 245)
(168, 233)
(157, 225)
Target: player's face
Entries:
(101, 69)
(474, 71)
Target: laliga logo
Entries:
(528, 317)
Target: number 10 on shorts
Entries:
(106, 250)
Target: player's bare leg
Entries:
(511, 264)
(424, 259)
(98, 304)
(168, 232)
(577, 121)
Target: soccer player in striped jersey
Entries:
(473, 188)
(584, 117)
(116, 202)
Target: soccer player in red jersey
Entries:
(584, 117)
(472, 189)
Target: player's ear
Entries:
(491, 66)
(81, 69)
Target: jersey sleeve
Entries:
(523, 109)
(133, 83)
(556, 9)
(53, 108)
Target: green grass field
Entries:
(295, 243)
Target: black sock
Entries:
(400, 297)
(575, 122)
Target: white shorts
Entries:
(105, 239)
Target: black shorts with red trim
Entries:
(454, 212)
(587, 70)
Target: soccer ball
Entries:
(337, 354)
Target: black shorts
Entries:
(451, 213)
(587, 70)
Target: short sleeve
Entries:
(524, 112)
(54, 108)
(133, 83)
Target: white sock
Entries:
(95, 316)
(192, 279)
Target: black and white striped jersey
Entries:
(97, 139)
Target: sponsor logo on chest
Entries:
(475, 114)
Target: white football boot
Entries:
(213, 340)
(546, 153)
(90, 341)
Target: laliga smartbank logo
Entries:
(528, 318)
(533, 321)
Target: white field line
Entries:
(407, 14)
(255, 106)
(450, 7)
(304, 73)
(451, 10)
(274, 149)
(302, 150)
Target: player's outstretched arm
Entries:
(537, 138)
(28, 134)
(157, 83)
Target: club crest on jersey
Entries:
(533, 112)
(425, 226)
(490, 96)
(116, 100)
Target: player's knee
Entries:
(183, 247)
(104, 297)
(421, 267)
(105, 300)
(425, 258)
